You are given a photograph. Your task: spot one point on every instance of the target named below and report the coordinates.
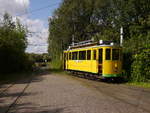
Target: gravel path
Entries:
(56, 93)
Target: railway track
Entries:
(4, 92)
(5, 89)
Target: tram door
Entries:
(100, 60)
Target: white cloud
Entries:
(38, 37)
(13, 6)
(23, 2)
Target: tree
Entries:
(12, 46)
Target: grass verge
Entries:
(56, 64)
(140, 84)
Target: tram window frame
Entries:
(108, 54)
(88, 54)
(74, 55)
(94, 54)
(70, 56)
(115, 54)
(82, 55)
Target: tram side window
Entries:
(74, 55)
(88, 54)
(94, 55)
(70, 56)
(115, 54)
(100, 56)
(82, 55)
(108, 54)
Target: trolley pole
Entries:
(73, 39)
(73, 36)
(121, 36)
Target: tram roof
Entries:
(96, 46)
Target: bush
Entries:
(10, 63)
(56, 64)
(127, 62)
(13, 43)
(141, 66)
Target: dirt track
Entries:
(57, 93)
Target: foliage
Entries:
(140, 84)
(37, 58)
(56, 64)
(141, 65)
(140, 38)
(108, 34)
(12, 46)
(127, 62)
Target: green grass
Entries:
(59, 71)
(140, 84)
(56, 64)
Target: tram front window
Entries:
(115, 54)
(108, 54)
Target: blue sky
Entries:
(44, 13)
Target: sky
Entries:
(34, 14)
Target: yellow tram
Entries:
(103, 58)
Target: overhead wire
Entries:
(36, 10)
